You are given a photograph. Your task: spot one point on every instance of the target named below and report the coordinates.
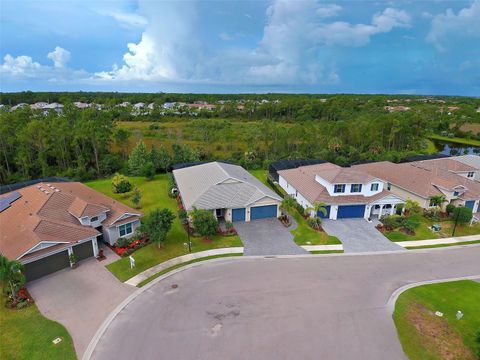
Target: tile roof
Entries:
(424, 178)
(218, 185)
(470, 160)
(42, 213)
(303, 179)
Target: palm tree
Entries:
(318, 207)
(11, 275)
(288, 203)
(437, 201)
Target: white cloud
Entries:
(328, 10)
(19, 66)
(465, 24)
(24, 67)
(59, 56)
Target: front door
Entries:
(219, 213)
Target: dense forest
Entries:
(249, 129)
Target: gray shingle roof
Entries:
(218, 185)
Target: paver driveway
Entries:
(309, 307)
(80, 299)
(267, 237)
(358, 235)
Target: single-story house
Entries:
(229, 191)
(43, 224)
(421, 180)
(347, 193)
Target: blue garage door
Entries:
(351, 211)
(320, 214)
(469, 204)
(238, 214)
(263, 212)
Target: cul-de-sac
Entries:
(251, 180)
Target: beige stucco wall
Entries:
(424, 203)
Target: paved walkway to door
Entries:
(358, 235)
(267, 237)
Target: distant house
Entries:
(473, 161)
(346, 192)
(229, 191)
(18, 106)
(400, 108)
(38, 105)
(54, 106)
(139, 105)
(124, 104)
(42, 224)
(201, 106)
(168, 105)
(81, 105)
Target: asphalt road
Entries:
(282, 308)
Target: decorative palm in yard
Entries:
(437, 201)
(288, 203)
(11, 275)
(318, 207)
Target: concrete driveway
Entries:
(267, 237)
(81, 298)
(309, 307)
(358, 235)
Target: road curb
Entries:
(394, 297)
(101, 330)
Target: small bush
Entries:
(314, 222)
(391, 222)
(431, 214)
(148, 170)
(300, 209)
(122, 242)
(122, 187)
(411, 223)
(450, 209)
(228, 225)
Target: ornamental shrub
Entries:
(314, 222)
(450, 208)
(411, 223)
(204, 222)
(462, 214)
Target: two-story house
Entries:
(42, 225)
(346, 192)
(422, 180)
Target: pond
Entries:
(450, 148)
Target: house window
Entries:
(356, 188)
(93, 219)
(339, 188)
(374, 187)
(125, 229)
(389, 186)
(456, 193)
(471, 174)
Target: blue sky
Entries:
(414, 47)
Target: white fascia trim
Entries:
(131, 222)
(41, 242)
(130, 214)
(56, 251)
(397, 198)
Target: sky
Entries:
(225, 46)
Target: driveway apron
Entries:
(358, 235)
(267, 237)
(81, 298)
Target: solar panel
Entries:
(6, 201)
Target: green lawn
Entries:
(305, 235)
(457, 140)
(154, 194)
(425, 336)
(26, 334)
(424, 233)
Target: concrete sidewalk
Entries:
(137, 279)
(444, 241)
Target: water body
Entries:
(454, 149)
